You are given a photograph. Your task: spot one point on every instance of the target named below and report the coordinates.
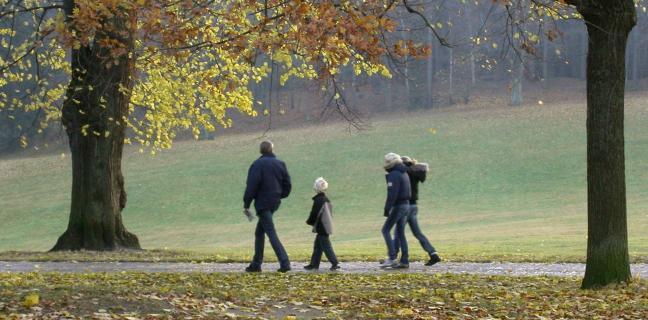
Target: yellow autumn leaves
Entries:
(31, 58)
(193, 62)
(31, 300)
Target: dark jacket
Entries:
(398, 187)
(318, 203)
(268, 182)
(417, 173)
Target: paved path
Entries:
(494, 268)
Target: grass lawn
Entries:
(506, 183)
(306, 296)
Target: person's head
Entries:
(320, 185)
(391, 160)
(408, 161)
(266, 147)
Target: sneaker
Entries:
(387, 263)
(399, 265)
(252, 269)
(335, 267)
(311, 267)
(434, 259)
(283, 269)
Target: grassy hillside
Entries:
(505, 181)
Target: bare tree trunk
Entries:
(430, 76)
(608, 25)
(404, 36)
(389, 95)
(545, 63)
(583, 61)
(517, 75)
(94, 106)
(469, 21)
(634, 57)
(517, 59)
(451, 78)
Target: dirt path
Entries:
(494, 268)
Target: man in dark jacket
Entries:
(268, 182)
(417, 173)
(396, 210)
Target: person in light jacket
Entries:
(322, 221)
(417, 173)
(396, 210)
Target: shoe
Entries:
(335, 267)
(283, 269)
(399, 265)
(252, 269)
(311, 267)
(387, 263)
(434, 259)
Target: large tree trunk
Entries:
(608, 25)
(95, 106)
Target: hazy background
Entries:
(508, 161)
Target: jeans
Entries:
(322, 244)
(265, 226)
(412, 220)
(397, 217)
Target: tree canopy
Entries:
(192, 60)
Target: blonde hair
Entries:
(320, 185)
(392, 159)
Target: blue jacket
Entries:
(398, 187)
(268, 182)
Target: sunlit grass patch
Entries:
(505, 183)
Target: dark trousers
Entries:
(264, 227)
(412, 220)
(322, 245)
(397, 217)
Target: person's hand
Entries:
(248, 214)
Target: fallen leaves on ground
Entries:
(164, 255)
(129, 295)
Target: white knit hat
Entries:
(320, 185)
(392, 159)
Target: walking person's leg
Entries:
(316, 257)
(259, 243)
(396, 244)
(325, 244)
(268, 227)
(390, 222)
(397, 240)
(403, 212)
(416, 231)
(423, 240)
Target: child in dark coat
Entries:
(321, 220)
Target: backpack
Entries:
(325, 217)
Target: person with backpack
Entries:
(268, 182)
(417, 173)
(321, 218)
